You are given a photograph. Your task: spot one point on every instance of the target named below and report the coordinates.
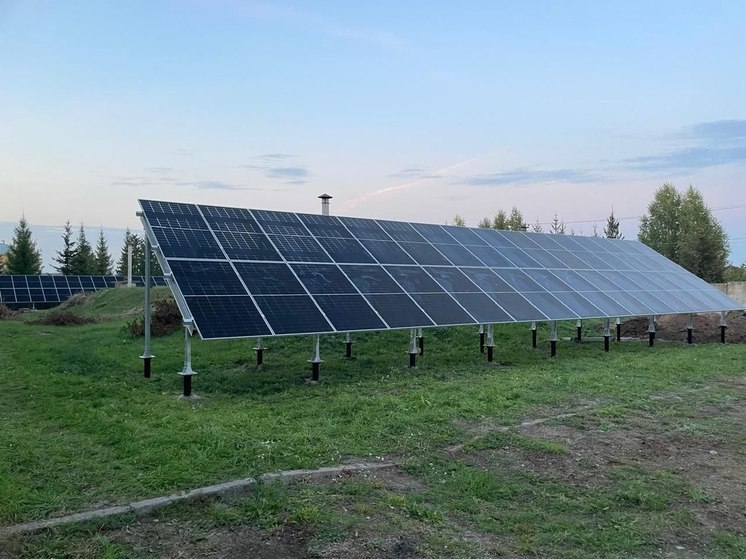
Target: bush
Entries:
(65, 318)
(80, 298)
(165, 319)
(6, 313)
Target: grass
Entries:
(80, 428)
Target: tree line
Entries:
(78, 257)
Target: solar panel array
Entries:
(243, 273)
(24, 290)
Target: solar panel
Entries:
(241, 272)
(24, 290)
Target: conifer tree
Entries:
(557, 227)
(500, 221)
(611, 231)
(515, 221)
(64, 257)
(537, 228)
(102, 259)
(23, 255)
(485, 223)
(82, 262)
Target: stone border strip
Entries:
(230, 488)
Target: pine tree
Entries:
(23, 255)
(515, 221)
(557, 227)
(500, 221)
(129, 239)
(595, 231)
(82, 262)
(102, 259)
(485, 223)
(702, 243)
(537, 228)
(458, 221)
(65, 256)
(611, 231)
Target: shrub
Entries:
(165, 319)
(65, 318)
(6, 313)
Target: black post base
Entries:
(481, 342)
(187, 385)
(689, 335)
(315, 367)
(490, 353)
(412, 360)
(259, 357)
(533, 339)
(421, 344)
(651, 338)
(619, 332)
(552, 348)
(579, 337)
(722, 334)
(348, 350)
(146, 366)
(606, 343)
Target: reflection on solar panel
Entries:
(20, 291)
(243, 273)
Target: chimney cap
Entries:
(326, 196)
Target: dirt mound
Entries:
(672, 327)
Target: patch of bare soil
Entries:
(673, 328)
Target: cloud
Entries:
(182, 151)
(413, 173)
(688, 159)
(719, 131)
(142, 182)
(213, 185)
(294, 173)
(280, 166)
(160, 169)
(527, 176)
(275, 156)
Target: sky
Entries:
(408, 110)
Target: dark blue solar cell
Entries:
(433, 233)
(173, 215)
(269, 278)
(518, 280)
(442, 309)
(580, 305)
(600, 280)
(323, 279)
(187, 243)
(365, 228)
(23, 295)
(414, 279)
(51, 295)
(36, 295)
(34, 282)
(387, 252)
(487, 280)
(520, 239)
(651, 299)
(593, 261)
(452, 280)
(19, 282)
(6, 282)
(237, 220)
(325, 226)
(99, 282)
(64, 293)
(482, 308)
(398, 310)
(517, 306)
(494, 238)
(424, 254)
(345, 250)
(199, 277)
(74, 283)
(545, 258)
(548, 280)
(465, 236)
(401, 231)
(111, 281)
(616, 262)
(550, 306)
(491, 257)
(227, 317)
(247, 246)
(349, 312)
(674, 301)
(86, 282)
(570, 260)
(371, 279)
(575, 280)
(545, 241)
(519, 258)
(293, 314)
(7, 295)
(633, 281)
(458, 255)
(279, 223)
(299, 249)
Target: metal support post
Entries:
(147, 356)
(413, 349)
(490, 344)
(553, 339)
(607, 334)
(315, 360)
(259, 349)
(481, 338)
(533, 335)
(690, 329)
(651, 331)
(619, 329)
(129, 265)
(579, 326)
(421, 341)
(723, 326)
(348, 346)
(187, 373)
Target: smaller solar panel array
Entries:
(26, 290)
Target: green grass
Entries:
(80, 428)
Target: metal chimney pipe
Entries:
(325, 203)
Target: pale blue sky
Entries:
(400, 110)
